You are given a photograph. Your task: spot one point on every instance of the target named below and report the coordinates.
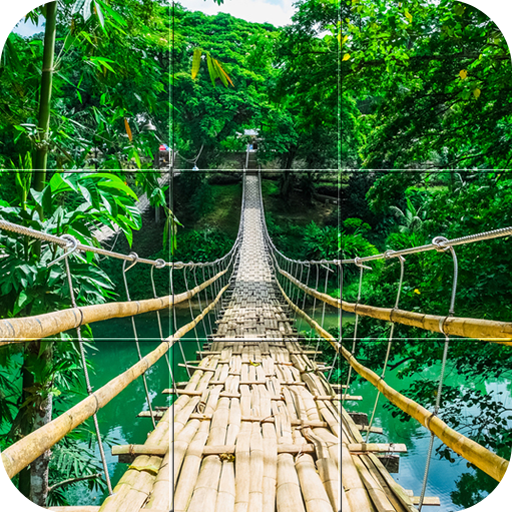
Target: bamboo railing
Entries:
(42, 326)
(486, 330)
(310, 291)
(22, 453)
(492, 464)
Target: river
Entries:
(119, 418)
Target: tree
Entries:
(304, 120)
(209, 109)
(70, 205)
(432, 84)
(109, 80)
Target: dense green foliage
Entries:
(207, 113)
(281, 82)
(110, 79)
(38, 372)
(426, 84)
(407, 209)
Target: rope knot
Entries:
(71, 246)
(135, 258)
(358, 263)
(440, 243)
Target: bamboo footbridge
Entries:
(260, 425)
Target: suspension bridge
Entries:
(258, 426)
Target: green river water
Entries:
(119, 418)
(455, 484)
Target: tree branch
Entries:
(72, 481)
(396, 365)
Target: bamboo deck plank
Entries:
(258, 428)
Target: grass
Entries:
(223, 212)
(297, 211)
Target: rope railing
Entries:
(33, 328)
(487, 330)
(65, 243)
(289, 278)
(217, 276)
(438, 244)
(25, 451)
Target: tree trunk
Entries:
(39, 468)
(33, 485)
(46, 95)
(25, 429)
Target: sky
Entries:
(28, 28)
(276, 12)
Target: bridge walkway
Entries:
(258, 426)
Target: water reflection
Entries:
(450, 481)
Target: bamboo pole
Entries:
(377, 448)
(138, 482)
(42, 326)
(315, 495)
(487, 330)
(25, 451)
(184, 487)
(481, 457)
(310, 291)
(45, 99)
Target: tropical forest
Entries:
(267, 257)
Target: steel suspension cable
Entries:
(200, 305)
(361, 270)
(438, 242)
(175, 327)
(84, 362)
(191, 310)
(307, 284)
(327, 270)
(314, 307)
(335, 360)
(298, 289)
(135, 258)
(207, 304)
(390, 342)
(159, 320)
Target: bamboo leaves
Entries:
(76, 7)
(101, 18)
(115, 15)
(196, 62)
(222, 74)
(215, 70)
(171, 230)
(86, 11)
